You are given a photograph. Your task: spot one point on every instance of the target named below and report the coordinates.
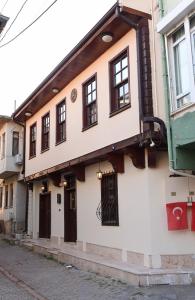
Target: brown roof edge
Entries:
(69, 55)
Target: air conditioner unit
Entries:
(19, 159)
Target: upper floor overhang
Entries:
(175, 16)
(3, 21)
(4, 119)
(84, 54)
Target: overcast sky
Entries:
(26, 61)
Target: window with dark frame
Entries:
(119, 82)
(6, 196)
(33, 137)
(61, 122)
(1, 197)
(109, 200)
(15, 143)
(45, 132)
(11, 195)
(90, 102)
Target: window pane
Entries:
(94, 95)
(93, 85)
(178, 34)
(89, 98)
(192, 21)
(89, 88)
(181, 68)
(124, 62)
(117, 67)
(121, 91)
(118, 78)
(125, 74)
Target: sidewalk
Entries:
(132, 274)
(55, 281)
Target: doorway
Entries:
(70, 214)
(45, 215)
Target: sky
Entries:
(26, 61)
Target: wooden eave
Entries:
(84, 54)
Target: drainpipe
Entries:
(167, 100)
(144, 119)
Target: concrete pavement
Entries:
(26, 275)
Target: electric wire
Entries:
(23, 30)
(4, 5)
(21, 8)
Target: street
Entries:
(25, 275)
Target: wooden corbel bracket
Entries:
(137, 156)
(117, 161)
(79, 172)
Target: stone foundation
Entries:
(176, 261)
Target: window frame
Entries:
(86, 124)
(11, 195)
(6, 202)
(62, 124)
(1, 197)
(31, 155)
(105, 199)
(112, 88)
(17, 144)
(171, 65)
(3, 145)
(44, 149)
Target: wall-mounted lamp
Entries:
(152, 143)
(107, 37)
(28, 114)
(99, 173)
(65, 183)
(55, 90)
(44, 188)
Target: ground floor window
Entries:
(1, 197)
(109, 200)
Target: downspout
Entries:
(144, 119)
(167, 100)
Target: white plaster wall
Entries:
(161, 186)
(108, 130)
(141, 5)
(133, 230)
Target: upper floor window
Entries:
(6, 196)
(45, 132)
(109, 200)
(61, 122)
(3, 146)
(90, 102)
(15, 143)
(1, 197)
(119, 82)
(182, 64)
(11, 195)
(33, 137)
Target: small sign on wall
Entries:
(59, 198)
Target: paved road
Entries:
(25, 275)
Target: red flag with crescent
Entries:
(193, 217)
(177, 216)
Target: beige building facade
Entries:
(96, 158)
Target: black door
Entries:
(70, 215)
(45, 215)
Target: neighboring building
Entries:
(177, 26)
(12, 187)
(3, 22)
(99, 114)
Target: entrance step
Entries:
(132, 274)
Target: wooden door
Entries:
(45, 215)
(70, 214)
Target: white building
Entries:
(12, 187)
(100, 113)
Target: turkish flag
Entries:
(177, 215)
(193, 217)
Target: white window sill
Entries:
(181, 109)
